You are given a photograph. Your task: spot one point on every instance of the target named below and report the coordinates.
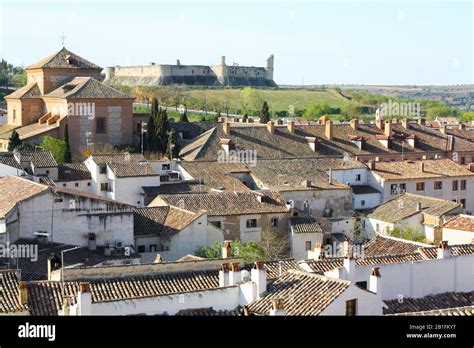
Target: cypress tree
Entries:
(14, 141)
(162, 128)
(184, 117)
(173, 147)
(265, 113)
(67, 155)
(151, 127)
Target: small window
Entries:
(455, 185)
(403, 188)
(88, 184)
(438, 185)
(275, 222)
(152, 248)
(394, 189)
(307, 245)
(58, 200)
(165, 166)
(218, 224)
(351, 307)
(64, 185)
(420, 186)
(463, 160)
(100, 125)
(47, 172)
(377, 228)
(362, 203)
(463, 184)
(104, 186)
(103, 169)
(463, 202)
(358, 177)
(362, 285)
(251, 223)
(141, 248)
(76, 184)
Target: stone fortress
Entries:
(192, 75)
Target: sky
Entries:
(314, 42)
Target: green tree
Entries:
(245, 118)
(173, 145)
(265, 114)
(161, 131)
(349, 110)
(409, 233)
(184, 117)
(57, 147)
(14, 141)
(68, 156)
(317, 109)
(440, 110)
(151, 127)
(251, 99)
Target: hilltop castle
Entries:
(192, 75)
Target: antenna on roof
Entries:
(63, 39)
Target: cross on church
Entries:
(63, 39)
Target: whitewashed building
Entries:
(459, 229)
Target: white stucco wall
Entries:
(298, 244)
(340, 201)
(7, 170)
(367, 303)
(454, 237)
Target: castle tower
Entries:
(270, 62)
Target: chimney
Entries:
(291, 126)
(388, 128)
(450, 143)
(330, 176)
(322, 120)
(224, 275)
(354, 123)
(442, 129)
(234, 274)
(226, 127)
(226, 250)
(22, 293)
(277, 307)
(259, 277)
(84, 299)
(371, 165)
(418, 206)
(411, 140)
(375, 281)
(317, 254)
(422, 167)
(462, 126)
(379, 124)
(421, 121)
(271, 127)
(328, 130)
(406, 123)
(312, 143)
(349, 268)
(226, 145)
(443, 250)
(53, 263)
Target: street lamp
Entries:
(62, 269)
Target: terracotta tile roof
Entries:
(294, 174)
(401, 170)
(456, 250)
(9, 283)
(461, 133)
(430, 302)
(227, 203)
(302, 293)
(39, 159)
(305, 225)
(126, 165)
(73, 172)
(59, 60)
(363, 189)
(14, 190)
(8, 159)
(89, 195)
(283, 144)
(385, 245)
(35, 129)
(86, 88)
(209, 312)
(189, 257)
(461, 223)
(163, 221)
(45, 298)
(405, 205)
(275, 268)
(31, 90)
(47, 181)
(456, 312)
(214, 175)
(38, 270)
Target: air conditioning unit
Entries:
(119, 245)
